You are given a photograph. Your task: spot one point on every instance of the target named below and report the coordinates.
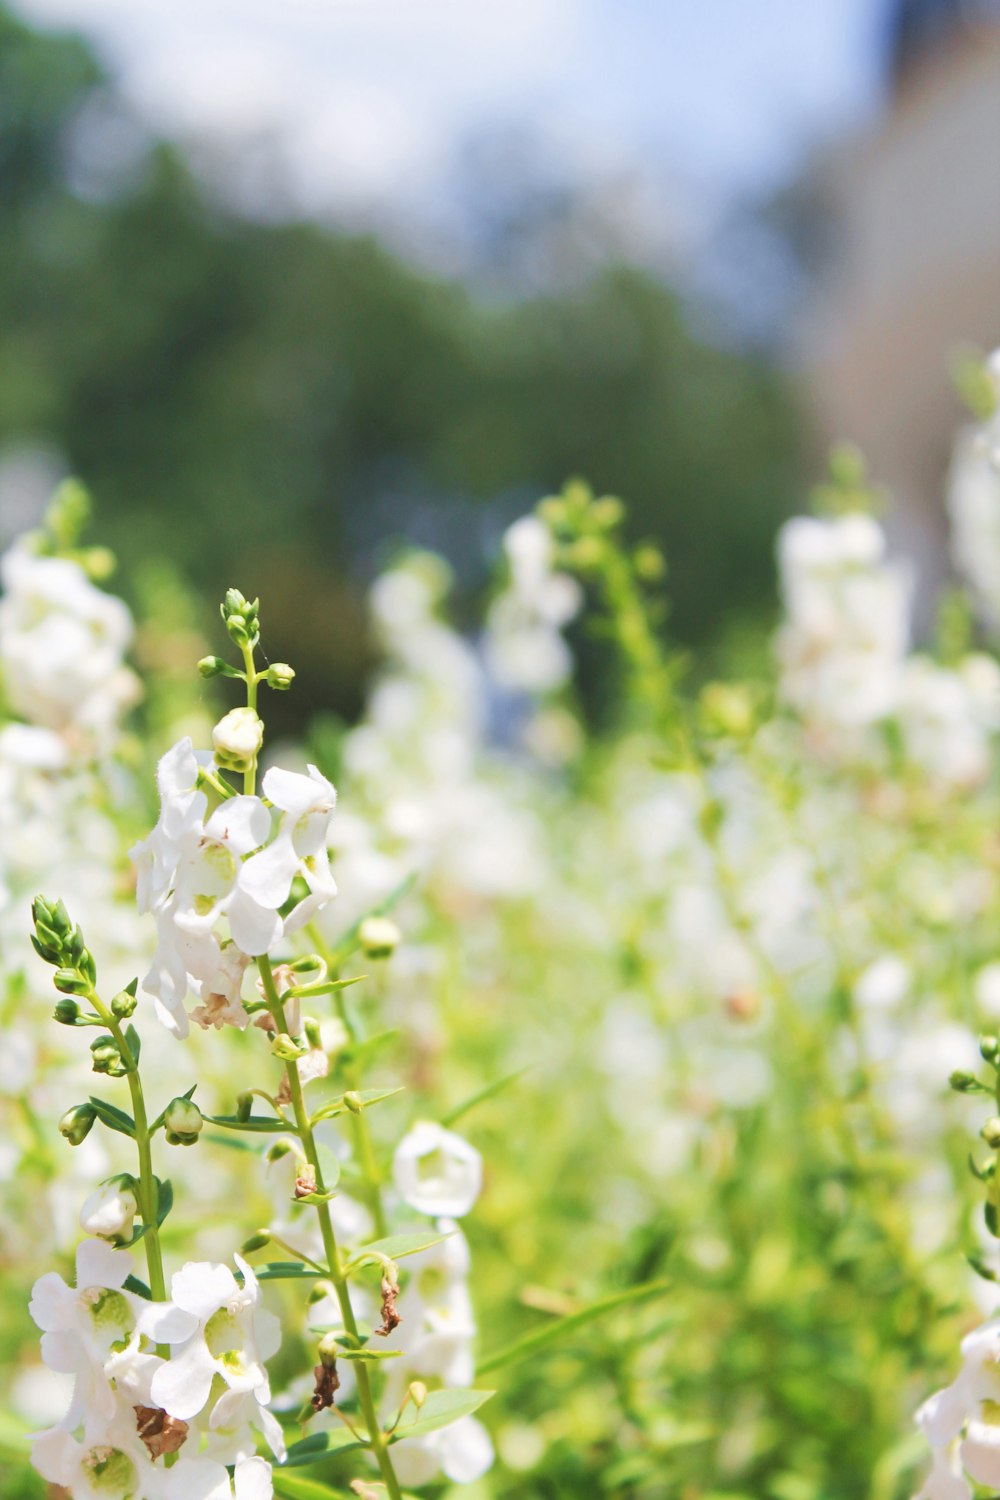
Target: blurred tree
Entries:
(263, 403)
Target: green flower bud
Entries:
(256, 1242)
(964, 1083)
(77, 1123)
(989, 1048)
(66, 1012)
(353, 1101)
(280, 676)
(70, 982)
(417, 1393)
(244, 1106)
(278, 1150)
(125, 1002)
(211, 666)
(312, 1032)
(240, 617)
(106, 1057)
(182, 1121)
(991, 1132)
(237, 738)
(379, 938)
(284, 1047)
(608, 512)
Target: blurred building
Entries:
(914, 257)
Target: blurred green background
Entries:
(272, 403)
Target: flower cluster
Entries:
(216, 883)
(131, 1407)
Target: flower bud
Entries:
(211, 666)
(328, 1349)
(240, 617)
(964, 1083)
(417, 1393)
(77, 1123)
(989, 1048)
(256, 1242)
(278, 1150)
(70, 982)
(379, 937)
(182, 1121)
(237, 738)
(66, 1011)
(284, 1047)
(280, 676)
(106, 1057)
(353, 1101)
(244, 1106)
(991, 1132)
(109, 1212)
(124, 1003)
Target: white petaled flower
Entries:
(847, 622)
(959, 1421)
(97, 1324)
(299, 847)
(62, 646)
(237, 738)
(110, 1211)
(945, 1480)
(462, 1451)
(437, 1172)
(524, 647)
(192, 875)
(233, 1336)
(120, 1468)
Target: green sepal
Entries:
(264, 1124)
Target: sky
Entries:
(370, 101)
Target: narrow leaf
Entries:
(297, 1487)
(367, 1098)
(319, 1445)
(113, 1117)
(164, 1199)
(489, 1092)
(396, 1246)
(264, 1124)
(440, 1409)
(530, 1343)
(285, 1270)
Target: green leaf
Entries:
(368, 1097)
(530, 1343)
(397, 1246)
(319, 1445)
(113, 1117)
(481, 1097)
(440, 1409)
(264, 1124)
(285, 1270)
(326, 1197)
(164, 1199)
(133, 1284)
(369, 1353)
(231, 1142)
(134, 1042)
(297, 1487)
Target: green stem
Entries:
(335, 1265)
(148, 1193)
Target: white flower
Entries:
(298, 848)
(120, 1468)
(846, 627)
(233, 1336)
(462, 1451)
(945, 1481)
(97, 1324)
(437, 1172)
(237, 738)
(109, 1212)
(62, 644)
(524, 647)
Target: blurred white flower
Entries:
(437, 1172)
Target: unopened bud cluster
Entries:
(59, 941)
(241, 618)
